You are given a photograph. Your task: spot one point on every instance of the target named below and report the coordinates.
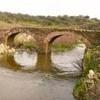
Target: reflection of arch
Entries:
(10, 63)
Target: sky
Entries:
(53, 7)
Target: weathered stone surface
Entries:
(45, 36)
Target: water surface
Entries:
(32, 76)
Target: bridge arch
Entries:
(54, 35)
(10, 38)
(45, 36)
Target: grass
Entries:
(62, 47)
(91, 61)
(79, 90)
(73, 22)
(29, 45)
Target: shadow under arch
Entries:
(10, 38)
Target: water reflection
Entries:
(25, 59)
(38, 62)
(39, 86)
(44, 63)
(21, 60)
(69, 63)
(65, 63)
(9, 62)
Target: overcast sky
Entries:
(52, 7)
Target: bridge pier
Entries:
(43, 47)
(44, 50)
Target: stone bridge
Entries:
(44, 37)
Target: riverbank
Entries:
(92, 91)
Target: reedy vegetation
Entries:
(91, 61)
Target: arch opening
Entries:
(64, 40)
(70, 61)
(21, 40)
(10, 38)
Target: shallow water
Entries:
(37, 86)
(32, 76)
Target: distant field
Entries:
(9, 20)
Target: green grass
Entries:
(29, 45)
(91, 61)
(79, 90)
(62, 47)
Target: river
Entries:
(29, 76)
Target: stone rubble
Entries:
(4, 49)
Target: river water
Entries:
(32, 76)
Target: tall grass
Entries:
(91, 61)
